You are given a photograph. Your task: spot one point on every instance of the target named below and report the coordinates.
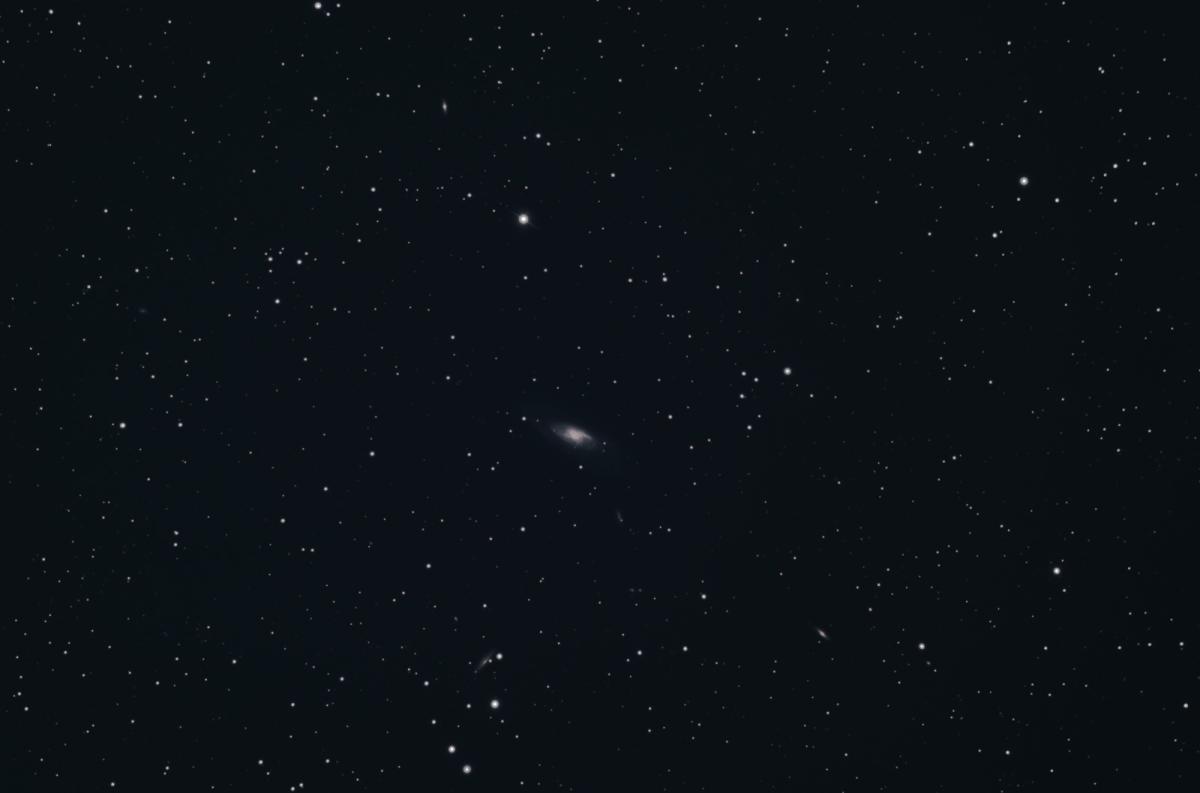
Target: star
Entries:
(523, 219)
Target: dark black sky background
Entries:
(881, 322)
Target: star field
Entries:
(598, 397)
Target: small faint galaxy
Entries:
(573, 435)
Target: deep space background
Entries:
(878, 320)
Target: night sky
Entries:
(598, 397)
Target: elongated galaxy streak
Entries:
(573, 435)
